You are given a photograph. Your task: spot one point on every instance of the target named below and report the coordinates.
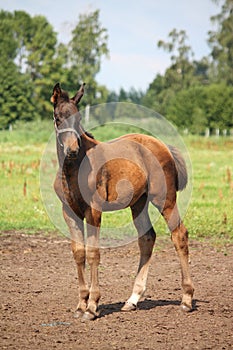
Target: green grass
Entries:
(209, 215)
(20, 154)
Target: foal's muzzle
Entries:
(71, 153)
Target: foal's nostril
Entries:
(71, 153)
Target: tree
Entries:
(21, 28)
(86, 49)
(123, 95)
(135, 96)
(30, 43)
(218, 106)
(186, 109)
(201, 70)
(44, 64)
(32, 61)
(8, 44)
(16, 95)
(16, 90)
(202, 106)
(181, 71)
(153, 95)
(221, 42)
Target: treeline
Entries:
(193, 94)
(32, 61)
(197, 95)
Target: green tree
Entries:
(179, 75)
(16, 95)
(44, 63)
(30, 43)
(112, 96)
(86, 49)
(21, 28)
(202, 106)
(186, 109)
(201, 70)
(135, 96)
(16, 90)
(32, 61)
(123, 95)
(221, 42)
(183, 73)
(8, 44)
(218, 106)
(153, 95)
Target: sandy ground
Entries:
(39, 295)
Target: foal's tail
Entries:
(182, 174)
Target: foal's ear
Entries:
(56, 93)
(79, 94)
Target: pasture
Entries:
(209, 214)
(39, 293)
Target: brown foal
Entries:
(130, 171)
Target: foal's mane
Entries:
(89, 134)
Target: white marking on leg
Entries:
(133, 299)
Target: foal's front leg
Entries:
(76, 228)
(93, 219)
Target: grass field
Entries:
(210, 214)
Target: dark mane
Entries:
(89, 135)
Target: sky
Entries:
(134, 28)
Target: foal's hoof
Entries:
(185, 308)
(129, 307)
(89, 316)
(78, 313)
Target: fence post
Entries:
(207, 132)
(87, 114)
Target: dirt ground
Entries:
(39, 295)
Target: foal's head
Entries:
(67, 120)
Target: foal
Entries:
(130, 171)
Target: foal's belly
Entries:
(118, 184)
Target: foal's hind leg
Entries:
(179, 235)
(76, 228)
(146, 240)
